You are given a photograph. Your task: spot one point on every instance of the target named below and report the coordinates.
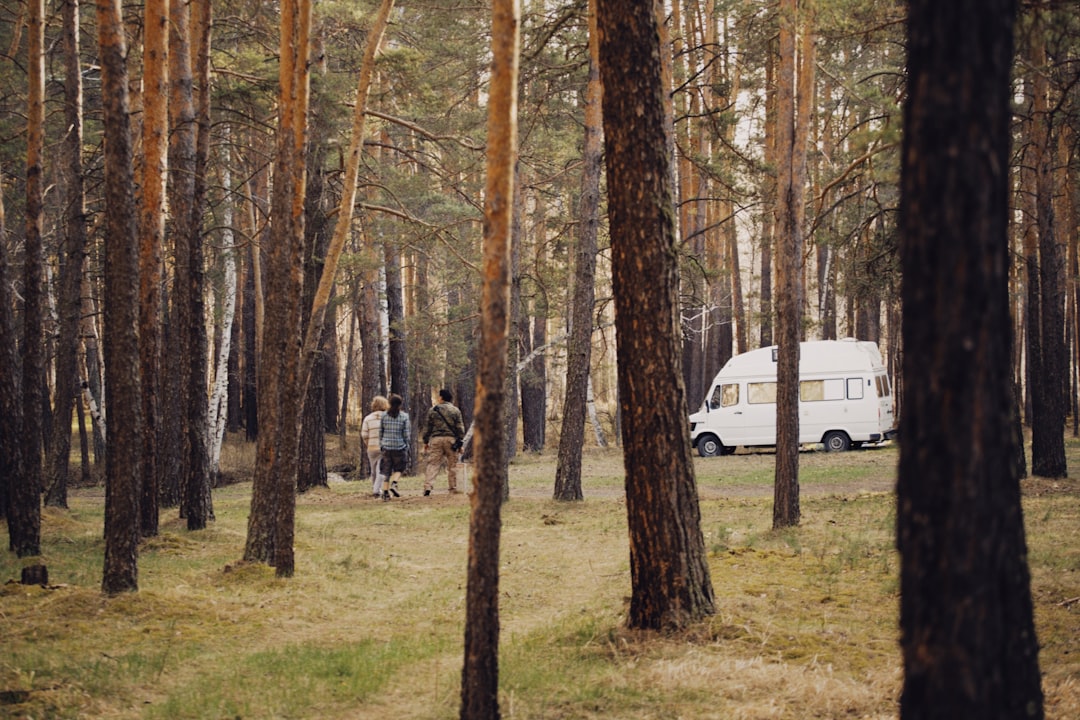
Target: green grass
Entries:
(371, 626)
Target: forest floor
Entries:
(371, 626)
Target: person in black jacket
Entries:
(443, 434)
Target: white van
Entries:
(844, 399)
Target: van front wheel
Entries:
(709, 445)
(836, 441)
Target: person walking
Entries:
(369, 436)
(444, 432)
(394, 434)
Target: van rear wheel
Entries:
(836, 441)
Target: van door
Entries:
(757, 416)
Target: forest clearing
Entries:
(371, 625)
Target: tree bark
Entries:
(176, 424)
(579, 344)
(480, 675)
(791, 132)
(967, 634)
(669, 574)
(155, 147)
(1048, 420)
(271, 524)
(199, 507)
(74, 253)
(10, 395)
(122, 455)
(25, 511)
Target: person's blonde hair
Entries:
(379, 403)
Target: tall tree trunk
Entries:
(513, 347)
(669, 573)
(579, 344)
(123, 450)
(312, 451)
(1048, 422)
(967, 634)
(271, 523)
(11, 472)
(71, 269)
(792, 127)
(176, 424)
(219, 397)
(199, 508)
(769, 200)
(155, 147)
(25, 511)
(480, 675)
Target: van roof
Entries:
(815, 356)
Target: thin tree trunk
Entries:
(122, 456)
(219, 396)
(24, 516)
(71, 269)
(176, 425)
(11, 472)
(579, 344)
(155, 147)
(199, 509)
(1048, 423)
(480, 675)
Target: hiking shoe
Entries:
(393, 490)
(426, 493)
(385, 496)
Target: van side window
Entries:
(729, 394)
(760, 393)
(814, 390)
(882, 385)
(854, 389)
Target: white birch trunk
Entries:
(219, 396)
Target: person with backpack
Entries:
(444, 433)
(394, 434)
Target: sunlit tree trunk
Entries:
(967, 634)
(271, 523)
(155, 146)
(480, 675)
(579, 344)
(669, 573)
(123, 449)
